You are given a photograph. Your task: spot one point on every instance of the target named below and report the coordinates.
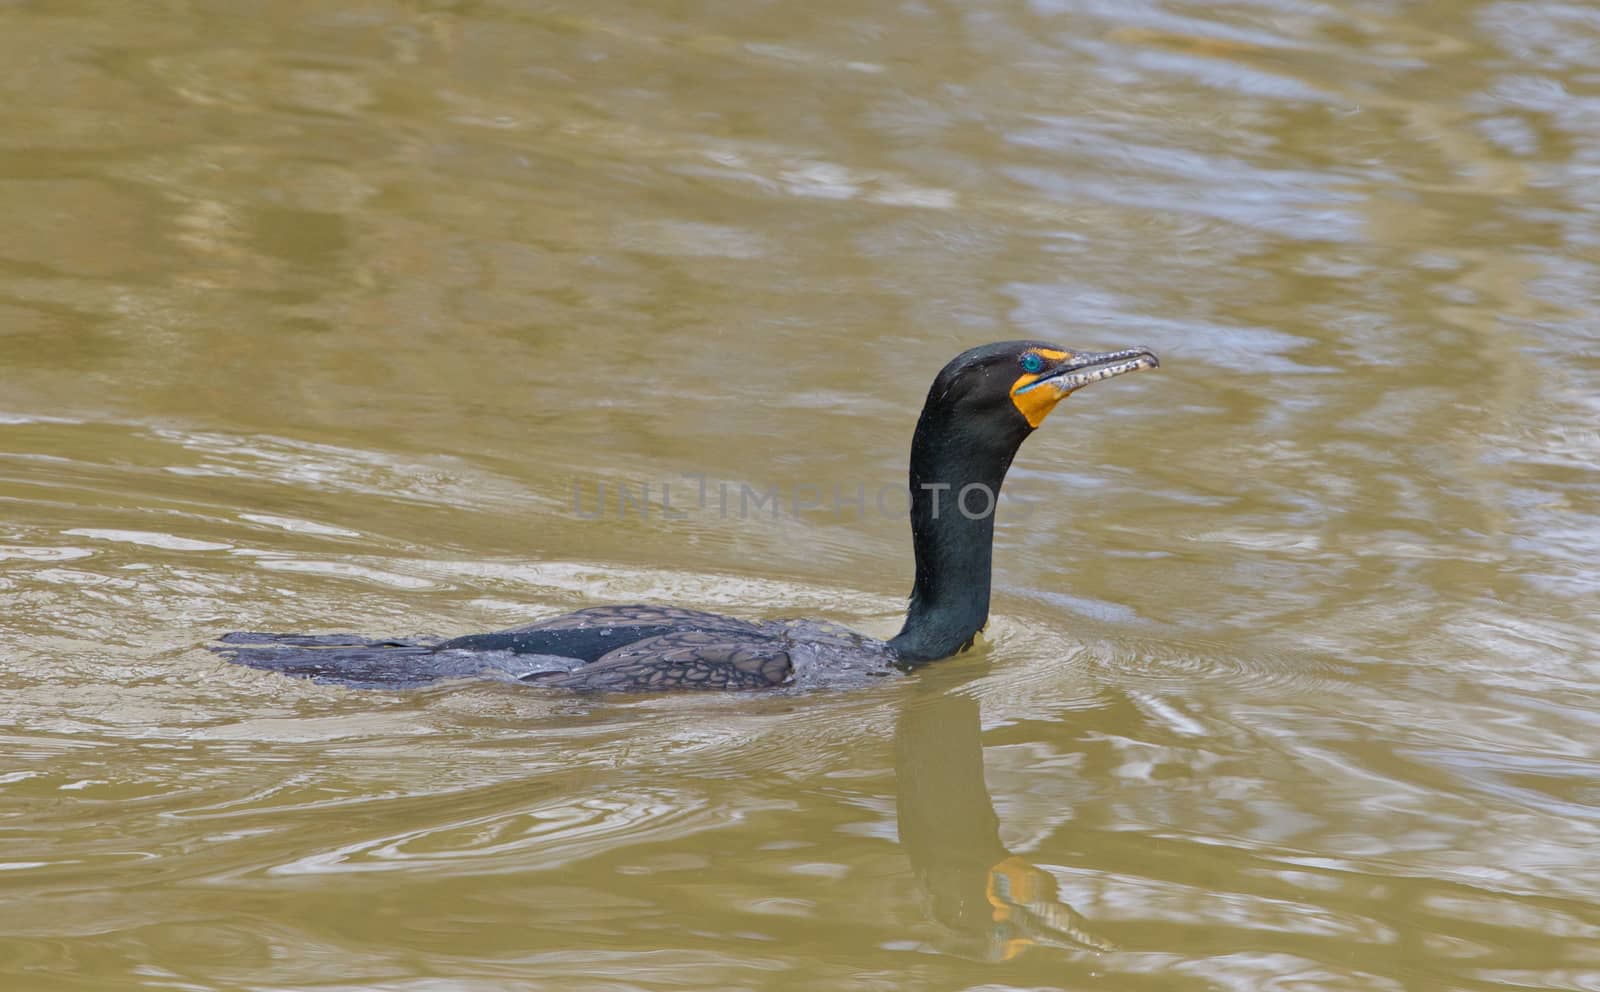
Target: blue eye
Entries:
(1032, 362)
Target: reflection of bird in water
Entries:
(980, 408)
(952, 836)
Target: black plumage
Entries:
(979, 410)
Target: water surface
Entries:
(320, 317)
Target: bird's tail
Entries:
(349, 659)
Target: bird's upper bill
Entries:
(1062, 372)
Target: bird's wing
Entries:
(591, 634)
(637, 615)
(353, 660)
(689, 659)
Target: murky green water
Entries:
(319, 316)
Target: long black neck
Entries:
(953, 538)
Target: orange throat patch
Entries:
(1036, 404)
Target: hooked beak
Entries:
(1077, 371)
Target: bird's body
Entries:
(980, 408)
(603, 648)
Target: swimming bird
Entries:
(982, 405)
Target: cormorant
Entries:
(980, 408)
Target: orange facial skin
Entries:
(1036, 404)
